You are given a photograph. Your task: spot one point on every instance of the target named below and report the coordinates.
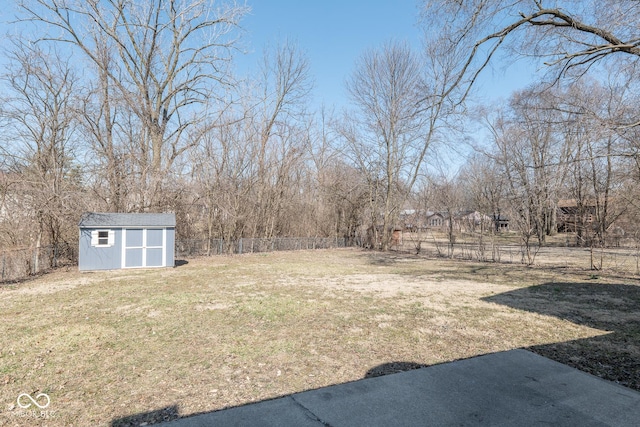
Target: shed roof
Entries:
(105, 219)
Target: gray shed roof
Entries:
(104, 219)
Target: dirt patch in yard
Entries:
(126, 348)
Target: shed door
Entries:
(143, 247)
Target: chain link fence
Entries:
(18, 264)
(190, 248)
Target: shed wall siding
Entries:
(169, 248)
(99, 258)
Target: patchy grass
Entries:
(137, 346)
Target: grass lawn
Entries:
(127, 347)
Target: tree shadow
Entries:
(168, 413)
(614, 308)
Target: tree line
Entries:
(125, 106)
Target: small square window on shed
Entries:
(103, 238)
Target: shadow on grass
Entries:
(168, 413)
(608, 307)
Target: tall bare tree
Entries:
(596, 161)
(483, 187)
(387, 135)
(224, 172)
(249, 164)
(339, 191)
(280, 131)
(165, 58)
(105, 118)
(39, 110)
(532, 154)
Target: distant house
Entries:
(472, 221)
(571, 216)
(111, 241)
(467, 221)
(436, 220)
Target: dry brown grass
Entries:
(128, 347)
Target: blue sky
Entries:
(334, 33)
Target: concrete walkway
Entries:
(513, 388)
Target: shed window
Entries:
(102, 238)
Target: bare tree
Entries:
(533, 157)
(483, 185)
(279, 131)
(105, 117)
(164, 57)
(39, 111)
(571, 39)
(340, 192)
(249, 163)
(446, 195)
(223, 167)
(389, 133)
(629, 150)
(559, 144)
(596, 165)
(569, 36)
